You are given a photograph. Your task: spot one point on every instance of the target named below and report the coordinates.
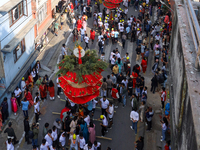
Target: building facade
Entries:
(17, 43)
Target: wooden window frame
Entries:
(12, 22)
(23, 49)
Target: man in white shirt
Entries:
(82, 31)
(117, 54)
(134, 118)
(86, 38)
(104, 105)
(88, 146)
(9, 144)
(36, 110)
(62, 140)
(81, 142)
(64, 51)
(112, 61)
(48, 137)
(59, 87)
(110, 112)
(87, 118)
(44, 145)
(96, 145)
(121, 29)
(18, 93)
(125, 81)
(104, 125)
(99, 37)
(23, 86)
(54, 133)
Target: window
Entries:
(19, 50)
(17, 12)
(42, 13)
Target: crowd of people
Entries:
(125, 82)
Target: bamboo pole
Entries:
(103, 137)
(55, 113)
(100, 108)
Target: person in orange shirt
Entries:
(134, 76)
(144, 64)
(92, 35)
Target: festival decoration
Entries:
(111, 4)
(81, 77)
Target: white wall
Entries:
(7, 33)
(2, 2)
(11, 68)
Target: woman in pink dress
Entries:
(14, 103)
(84, 24)
(92, 132)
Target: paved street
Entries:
(123, 137)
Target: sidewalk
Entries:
(152, 138)
(48, 59)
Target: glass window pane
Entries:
(20, 9)
(15, 14)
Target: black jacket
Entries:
(26, 126)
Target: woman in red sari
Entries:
(14, 103)
(30, 79)
(92, 35)
(134, 75)
(28, 96)
(144, 64)
(79, 24)
(43, 91)
(51, 90)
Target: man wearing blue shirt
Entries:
(89, 107)
(116, 35)
(127, 31)
(25, 104)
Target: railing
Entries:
(195, 29)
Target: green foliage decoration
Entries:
(90, 63)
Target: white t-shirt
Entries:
(57, 81)
(94, 102)
(9, 146)
(95, 147)
(62, 139)
(33, 73)
(104, 104)
(44, 147)
(126, 11)
(121, 29)
(111, 110)
(64, 51)
(82, 31)
(23, 85)
(105, 121)
(48, 139)
(36, 106)
(134, 115)
(17, 92)
(129, 22)
(54, 135)
(86, 39)
(100, 23)
(112, 61)
(51, 148)
(82, 142)
(87, 120)
(100, 14)
(106, 25)
(118, 55)
(84, 9)
(125, 82)
(99, 37)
